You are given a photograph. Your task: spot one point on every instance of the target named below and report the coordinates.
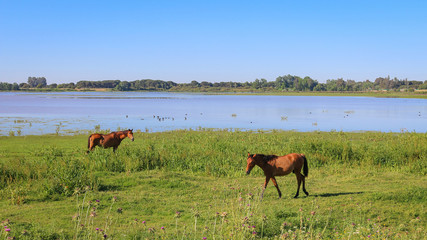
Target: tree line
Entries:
(282, 83)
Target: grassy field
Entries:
(192, 185)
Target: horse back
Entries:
(111, 140)
(288, 163)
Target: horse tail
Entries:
(305, 168)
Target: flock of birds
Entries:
(160, 119)
(165, 118)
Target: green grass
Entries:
(360, 185)
(379, 94)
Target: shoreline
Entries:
(421, 94)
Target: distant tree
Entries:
(320, 87)
(24, 85)
(82, 84)
(382, 83)
(307, 84)
(350, 85)
(358, 87)
(194, 83)
(8, 86)
(67, 85)
(340, 84)
(415, 84)
(108, 83)
(331, 85)
(32, 81)
(15, 87)
(98, 84)
(423, 86)
(367, 85)
(263, 82)
(123, 86)
(395, 83)
(285, 82)
(206, 84)
(149, 84)
(256, 84)
(5, 86)
(37, 82)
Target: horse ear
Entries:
(254, 155)
(249, 154)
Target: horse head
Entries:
(130, 134)
(251, 163)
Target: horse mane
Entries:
(113, 133)
(267, 158)
(122, 131)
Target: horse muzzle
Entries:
(132, 139)
(247, 172)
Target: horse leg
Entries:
(114, 149)
(273, 179)
(299, 178)
(91, 146)
(303, 185)
(265, 185)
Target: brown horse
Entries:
(279, 166)
(109, 140)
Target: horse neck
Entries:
(121, 135)
(261, 163)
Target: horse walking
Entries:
(273, 165)
(108, 140)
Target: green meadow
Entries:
(192, 185)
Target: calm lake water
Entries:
(45, 113)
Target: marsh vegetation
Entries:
(192, 184)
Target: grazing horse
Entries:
(108, 140)
(279, 166)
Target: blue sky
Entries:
(181, 41)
